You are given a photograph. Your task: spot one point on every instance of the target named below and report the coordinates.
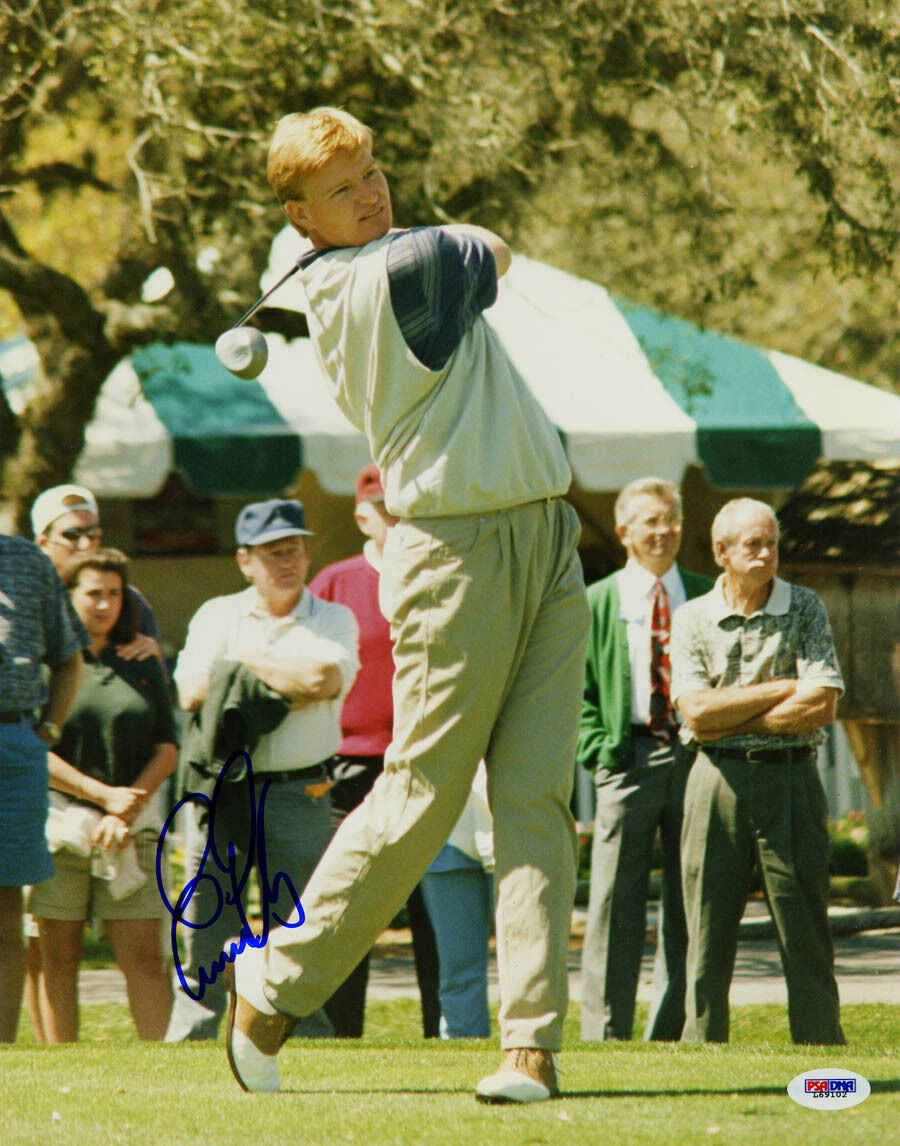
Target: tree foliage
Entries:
(736, 162)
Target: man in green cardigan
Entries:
(629, 738)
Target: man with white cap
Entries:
(65, 521)
(298, 648)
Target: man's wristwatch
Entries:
(50, 731)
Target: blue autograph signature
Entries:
(235, 881)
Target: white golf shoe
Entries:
(256, 1031)
(527, 1075)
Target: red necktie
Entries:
(660, 666)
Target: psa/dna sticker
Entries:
(828, 1089)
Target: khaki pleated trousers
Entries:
(490, 625)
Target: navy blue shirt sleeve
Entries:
(439, 284)
(148, 625)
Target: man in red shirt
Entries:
(366, 724)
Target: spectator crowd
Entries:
(402, 733)
(702, 706)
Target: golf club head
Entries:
(243, 351)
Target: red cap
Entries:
(368, 485)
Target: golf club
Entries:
(243, 350)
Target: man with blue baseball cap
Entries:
(272, 520)
(282, 641)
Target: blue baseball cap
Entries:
(271, 520)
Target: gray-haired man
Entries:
(755, 674)
(629, 738)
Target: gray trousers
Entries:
(297, 831)
(739, 814)
(631, 805)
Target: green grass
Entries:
(396, 1088)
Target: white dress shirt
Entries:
(228, 628)
(635, 584)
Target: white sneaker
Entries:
(255, 1031)
(248, 976)
(527, 1075)
(254, 1071)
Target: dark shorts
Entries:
(24, 855)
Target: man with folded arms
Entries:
(755, 675)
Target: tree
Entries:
(724, 161)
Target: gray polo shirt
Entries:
(790, 637)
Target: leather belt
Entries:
(15, 717)
(761, 755)
(315, 771)
(638, 730)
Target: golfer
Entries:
(483, 590)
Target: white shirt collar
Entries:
(636, 584)
(779, 601)
(636, 581)
(371, 554)
(671, 579)
(254, 607)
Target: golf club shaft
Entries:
(253, 309)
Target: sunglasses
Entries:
(77, 532)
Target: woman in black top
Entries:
(117, 746)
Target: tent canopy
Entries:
(631, 391)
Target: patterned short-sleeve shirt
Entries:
(38, 625)
(790, 637)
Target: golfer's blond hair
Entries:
(303, 142)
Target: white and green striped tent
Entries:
(631, 391)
